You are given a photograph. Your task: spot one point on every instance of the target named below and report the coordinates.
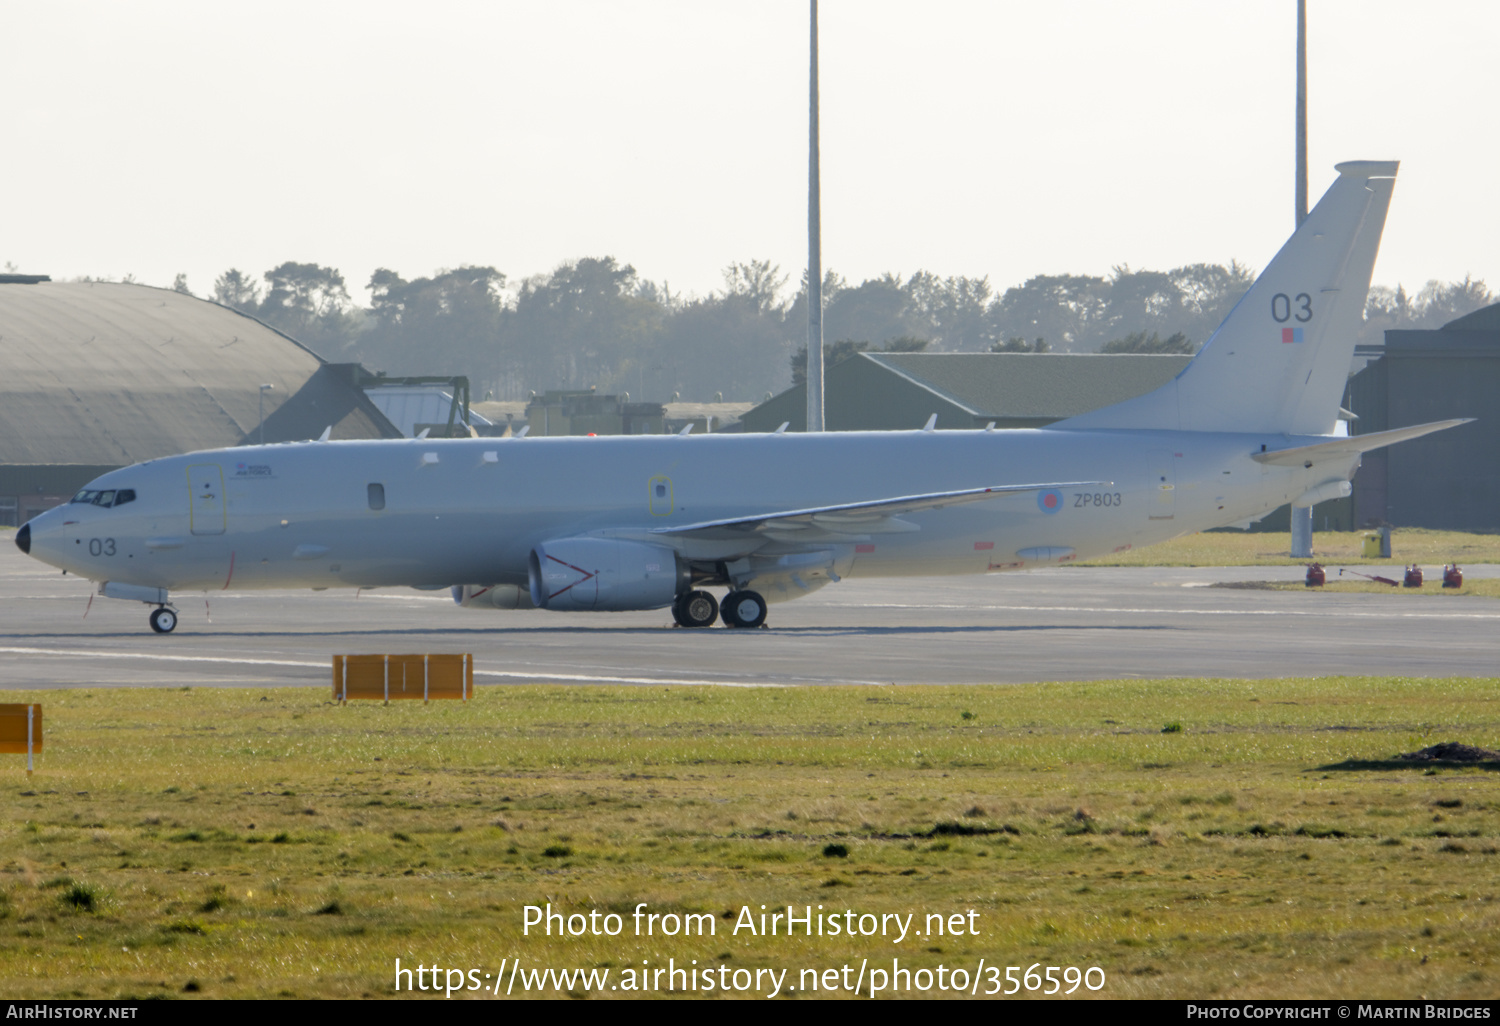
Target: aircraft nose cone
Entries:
(23, 539)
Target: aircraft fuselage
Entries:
(434, 513)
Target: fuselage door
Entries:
(661, 498)
(1161, 486)
(206, 498)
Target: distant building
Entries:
(587, 412)
(99, 375)
(439, 406)
(581, 412)
(1449, 480)
(900, 391)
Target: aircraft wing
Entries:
(1342, 449)
(857, 517)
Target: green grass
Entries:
(1233, 548)
(227, 842)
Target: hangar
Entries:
(99, 375)
(900, 391)
(1450, 480)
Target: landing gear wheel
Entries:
(744, 609)
(163, 620)
(695, 609)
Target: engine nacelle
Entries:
(492, 596)
(605, 574)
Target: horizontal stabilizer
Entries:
(854, 515)
(1343, 448)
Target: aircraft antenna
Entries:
(814, 244)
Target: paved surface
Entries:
(1060, 624)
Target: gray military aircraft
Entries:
(649, 522)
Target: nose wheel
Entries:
(163, 620)
(743, 609)
(695, 609)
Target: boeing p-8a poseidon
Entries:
(648, 522)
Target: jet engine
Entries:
(605, 574)
(492, 596)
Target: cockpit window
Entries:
(106, 497)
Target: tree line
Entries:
(597, 322)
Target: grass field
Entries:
(1234, 548)
(229, 842)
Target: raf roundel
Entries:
(1050, 501)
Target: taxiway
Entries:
(1072, 623)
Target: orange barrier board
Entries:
(390, 677)
(21, 730)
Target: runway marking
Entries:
(540, 675)
(1169, 612)
(91, 654)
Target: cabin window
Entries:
(377, 496)
(661, 490)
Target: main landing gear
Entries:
(739, 609)
(743, 609)
(163, 620)
(695, 609)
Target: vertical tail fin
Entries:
(1279, 361)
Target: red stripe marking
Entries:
(983, 546)
(586, 577)
(864, 548)
(231, 572)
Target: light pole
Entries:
(814, 241)
(263, 412)
(1302, 516)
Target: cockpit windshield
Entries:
(106, 497)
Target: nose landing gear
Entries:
(163, 620)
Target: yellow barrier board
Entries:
(13, 728)
(390, 677)
(21, 730)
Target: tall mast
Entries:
(814, 246)
(1301, 112)
(1302, 516)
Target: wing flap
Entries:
(857, 516)
(1346, 448)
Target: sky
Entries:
(971, 137)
